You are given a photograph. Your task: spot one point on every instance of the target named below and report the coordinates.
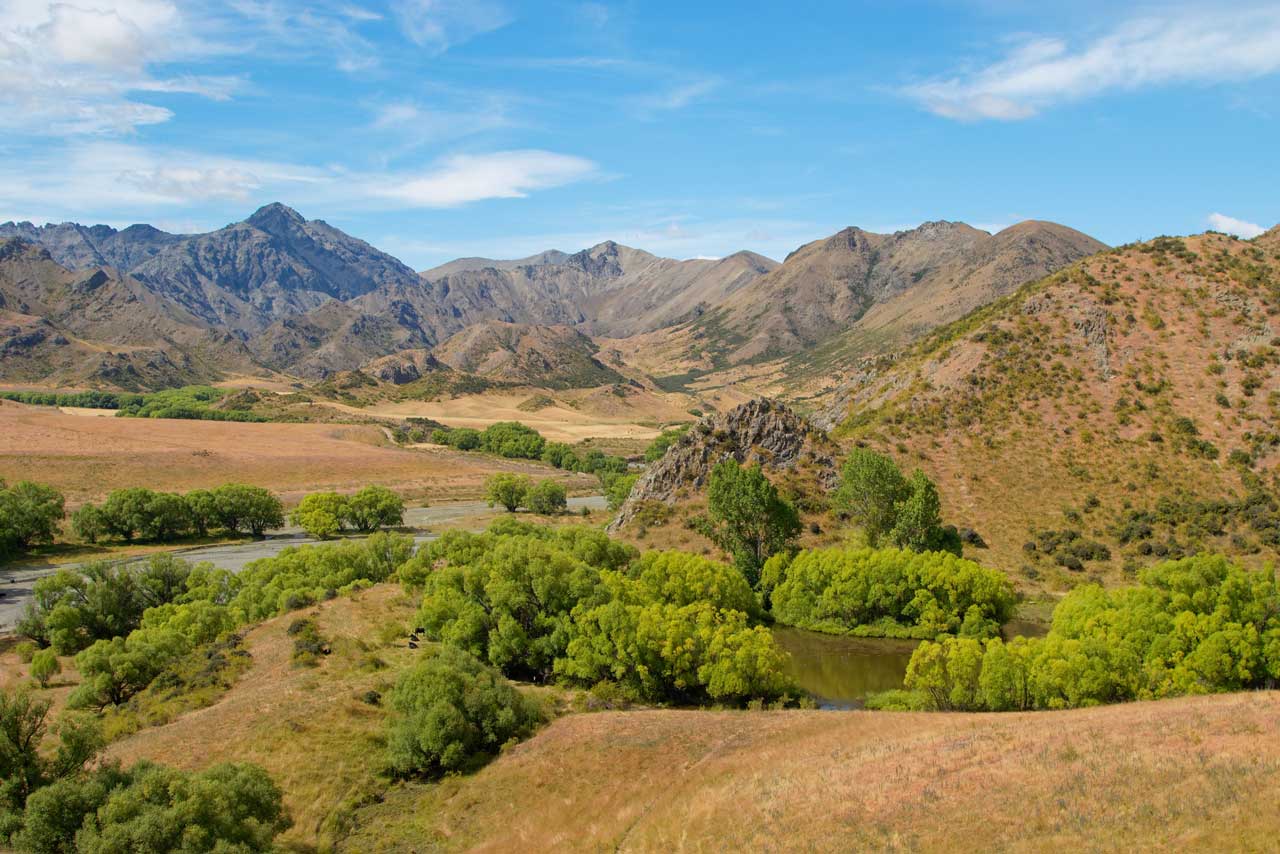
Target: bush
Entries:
(375, 507)
(889, 593)
(225, 808)
(512, 439)
(547, 498)
(44, 666)
(321, 514)
(658, 447)
(30, 514)
(1192, 626)
(451, 712)
(508, 490)
(619, 489)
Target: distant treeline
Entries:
(193, 403)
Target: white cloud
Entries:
(1215, 45)
(1231, 225)
(439, 24)
(71, 68)
(414, 124)
(466, 178)
(677, 97)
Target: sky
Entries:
(437, 129)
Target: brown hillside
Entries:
(1112, 399)
(547, 356)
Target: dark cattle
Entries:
(412, 645)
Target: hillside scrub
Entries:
(1193, 626)
(891, 508)
(210, 603)
(572, 604)
(887, 593)
(451, 712)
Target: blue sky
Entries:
(441, 128)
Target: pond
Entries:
(840, 672)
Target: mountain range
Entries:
(139, 307)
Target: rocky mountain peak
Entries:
(275, 216)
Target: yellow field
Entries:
(88, 457)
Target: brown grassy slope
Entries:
(88, 457)
(1200, 774)
(527, 353)
(1075, 386)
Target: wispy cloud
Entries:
(1231, 225)
(68, 69)
(464, 178)
(676, 97)
(437, 25)
(415, 125)
(1207, 45)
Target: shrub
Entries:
(322, 514)
(512, 439)
(508, 490)
(44, 666)
(452, 711)
(619, 489)
(890, 593)
(547, 498)
(29, 515)
(375, 507)
(658, 447)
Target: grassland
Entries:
(1197, 773)
(86, 458)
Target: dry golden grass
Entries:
(307, 726)
(1192, 774)
(1197, 773)
(88, 457)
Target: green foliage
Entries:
(461, 438)
(1193, 626)
(191, 402)
(375, 507)
(658, 447)
(506, 595)
(24, 767)
(889, 593)
(73, 608)
(308, 644)
(547, 498)
(751, 520)
(512, 439)
(45, 666)
(619, 489)
(226, 808)
(507, 490)
(321, 514)
(451, 712)
(83, 399)
(29, 515)
(889, 507)
(680, 578)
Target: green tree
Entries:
(322, 514)
(375, 507)
(871, 488)
(753, 521)
(30, 514)
(89, 523)
(24, 768)
(44, 666)
(919, 519)
(451, 711)
(203, 505)
(507, 490)
(125, 511)
(248, 508)
(547, 498)
(658, 447)
(512, 439)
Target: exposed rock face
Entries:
(760, 430)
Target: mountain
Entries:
(468, 265)
(886, 287)
(99, 326)
(1128, 402)
(550, 356)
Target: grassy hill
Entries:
(1126, 406)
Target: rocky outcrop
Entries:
(760, 431)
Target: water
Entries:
(839, 672)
